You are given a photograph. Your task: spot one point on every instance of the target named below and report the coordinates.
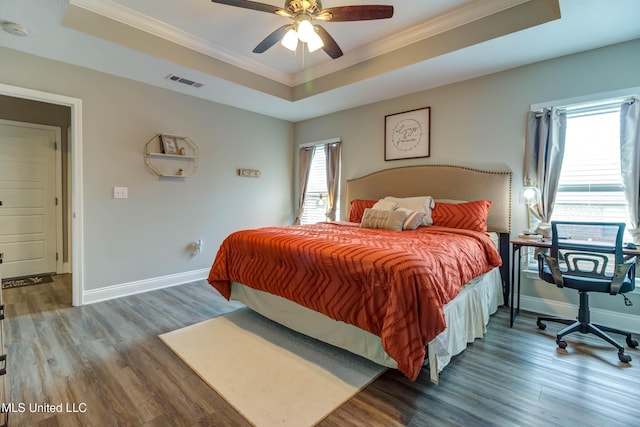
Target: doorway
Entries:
(30, 199)
(75, 172)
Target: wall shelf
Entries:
(171, 165)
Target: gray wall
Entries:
(482, 122)
(148, 235)
(478, 122)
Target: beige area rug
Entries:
(270, 374)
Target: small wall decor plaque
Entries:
(407, 134)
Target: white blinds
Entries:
(590, 187)
(315, 203)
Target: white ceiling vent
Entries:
(183, 80)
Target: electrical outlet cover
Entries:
(120, 192)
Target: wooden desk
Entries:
(516, 246)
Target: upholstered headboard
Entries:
(440, 182)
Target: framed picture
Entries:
(169, 143)
(406, 135)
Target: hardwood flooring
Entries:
(106, 362)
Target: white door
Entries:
(27, 200)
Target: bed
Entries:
(408, 315)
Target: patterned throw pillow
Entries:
(469, 216)
(388, 220)
(357, 209)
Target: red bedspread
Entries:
(393, 284)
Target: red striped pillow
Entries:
(357, 209)
(470, 215)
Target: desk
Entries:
(516, 246)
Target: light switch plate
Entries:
(120, 192)
(250, 173)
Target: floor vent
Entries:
(182, 80)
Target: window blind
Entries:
(315, 202)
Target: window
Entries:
(590, 186)
(315, 202)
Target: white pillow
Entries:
(385, 205)
(421, 204)
(414, 219)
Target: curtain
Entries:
(544, 152)
(306, 157)
(630, 161)
(332, 153)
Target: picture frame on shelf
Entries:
(407, 135)
(169, 143)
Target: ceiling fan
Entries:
(303, 12)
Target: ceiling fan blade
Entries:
(356, 13)
(253, 5)
(330, 46)
(272, 39)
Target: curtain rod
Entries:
(323, 142)
(590, 105)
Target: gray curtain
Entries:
(544, 153)
(306, 157)
(630, 161)
(332, 152)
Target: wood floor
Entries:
(105, 359)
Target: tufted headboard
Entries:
(440, 182)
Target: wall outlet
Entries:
(120, 192)
(197, 246)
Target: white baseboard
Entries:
(146, 285)
(627, 322)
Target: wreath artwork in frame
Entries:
(169, 143)
(407, 134)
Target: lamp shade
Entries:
(290, 40)
(529, 194)
(315, 42)
(305, 30)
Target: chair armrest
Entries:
(619, 274)
(553, 266)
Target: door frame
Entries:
(77, 203)
(58, 184)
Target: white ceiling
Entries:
(229, 34)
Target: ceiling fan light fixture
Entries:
(290, 40)
(314, 43)
(305, 30)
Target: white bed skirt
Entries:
(466, 315)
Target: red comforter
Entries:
(393, 284)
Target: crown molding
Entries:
(439, 24)
(140, 21)
(463, 15)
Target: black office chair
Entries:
(580, 258)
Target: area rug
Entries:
(15, 282)
(270, 374)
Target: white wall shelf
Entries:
(171, 165)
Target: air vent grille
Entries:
(182, 80)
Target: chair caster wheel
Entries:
(631, 342)
(561, 344)
(624, 358)
(541, 325)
